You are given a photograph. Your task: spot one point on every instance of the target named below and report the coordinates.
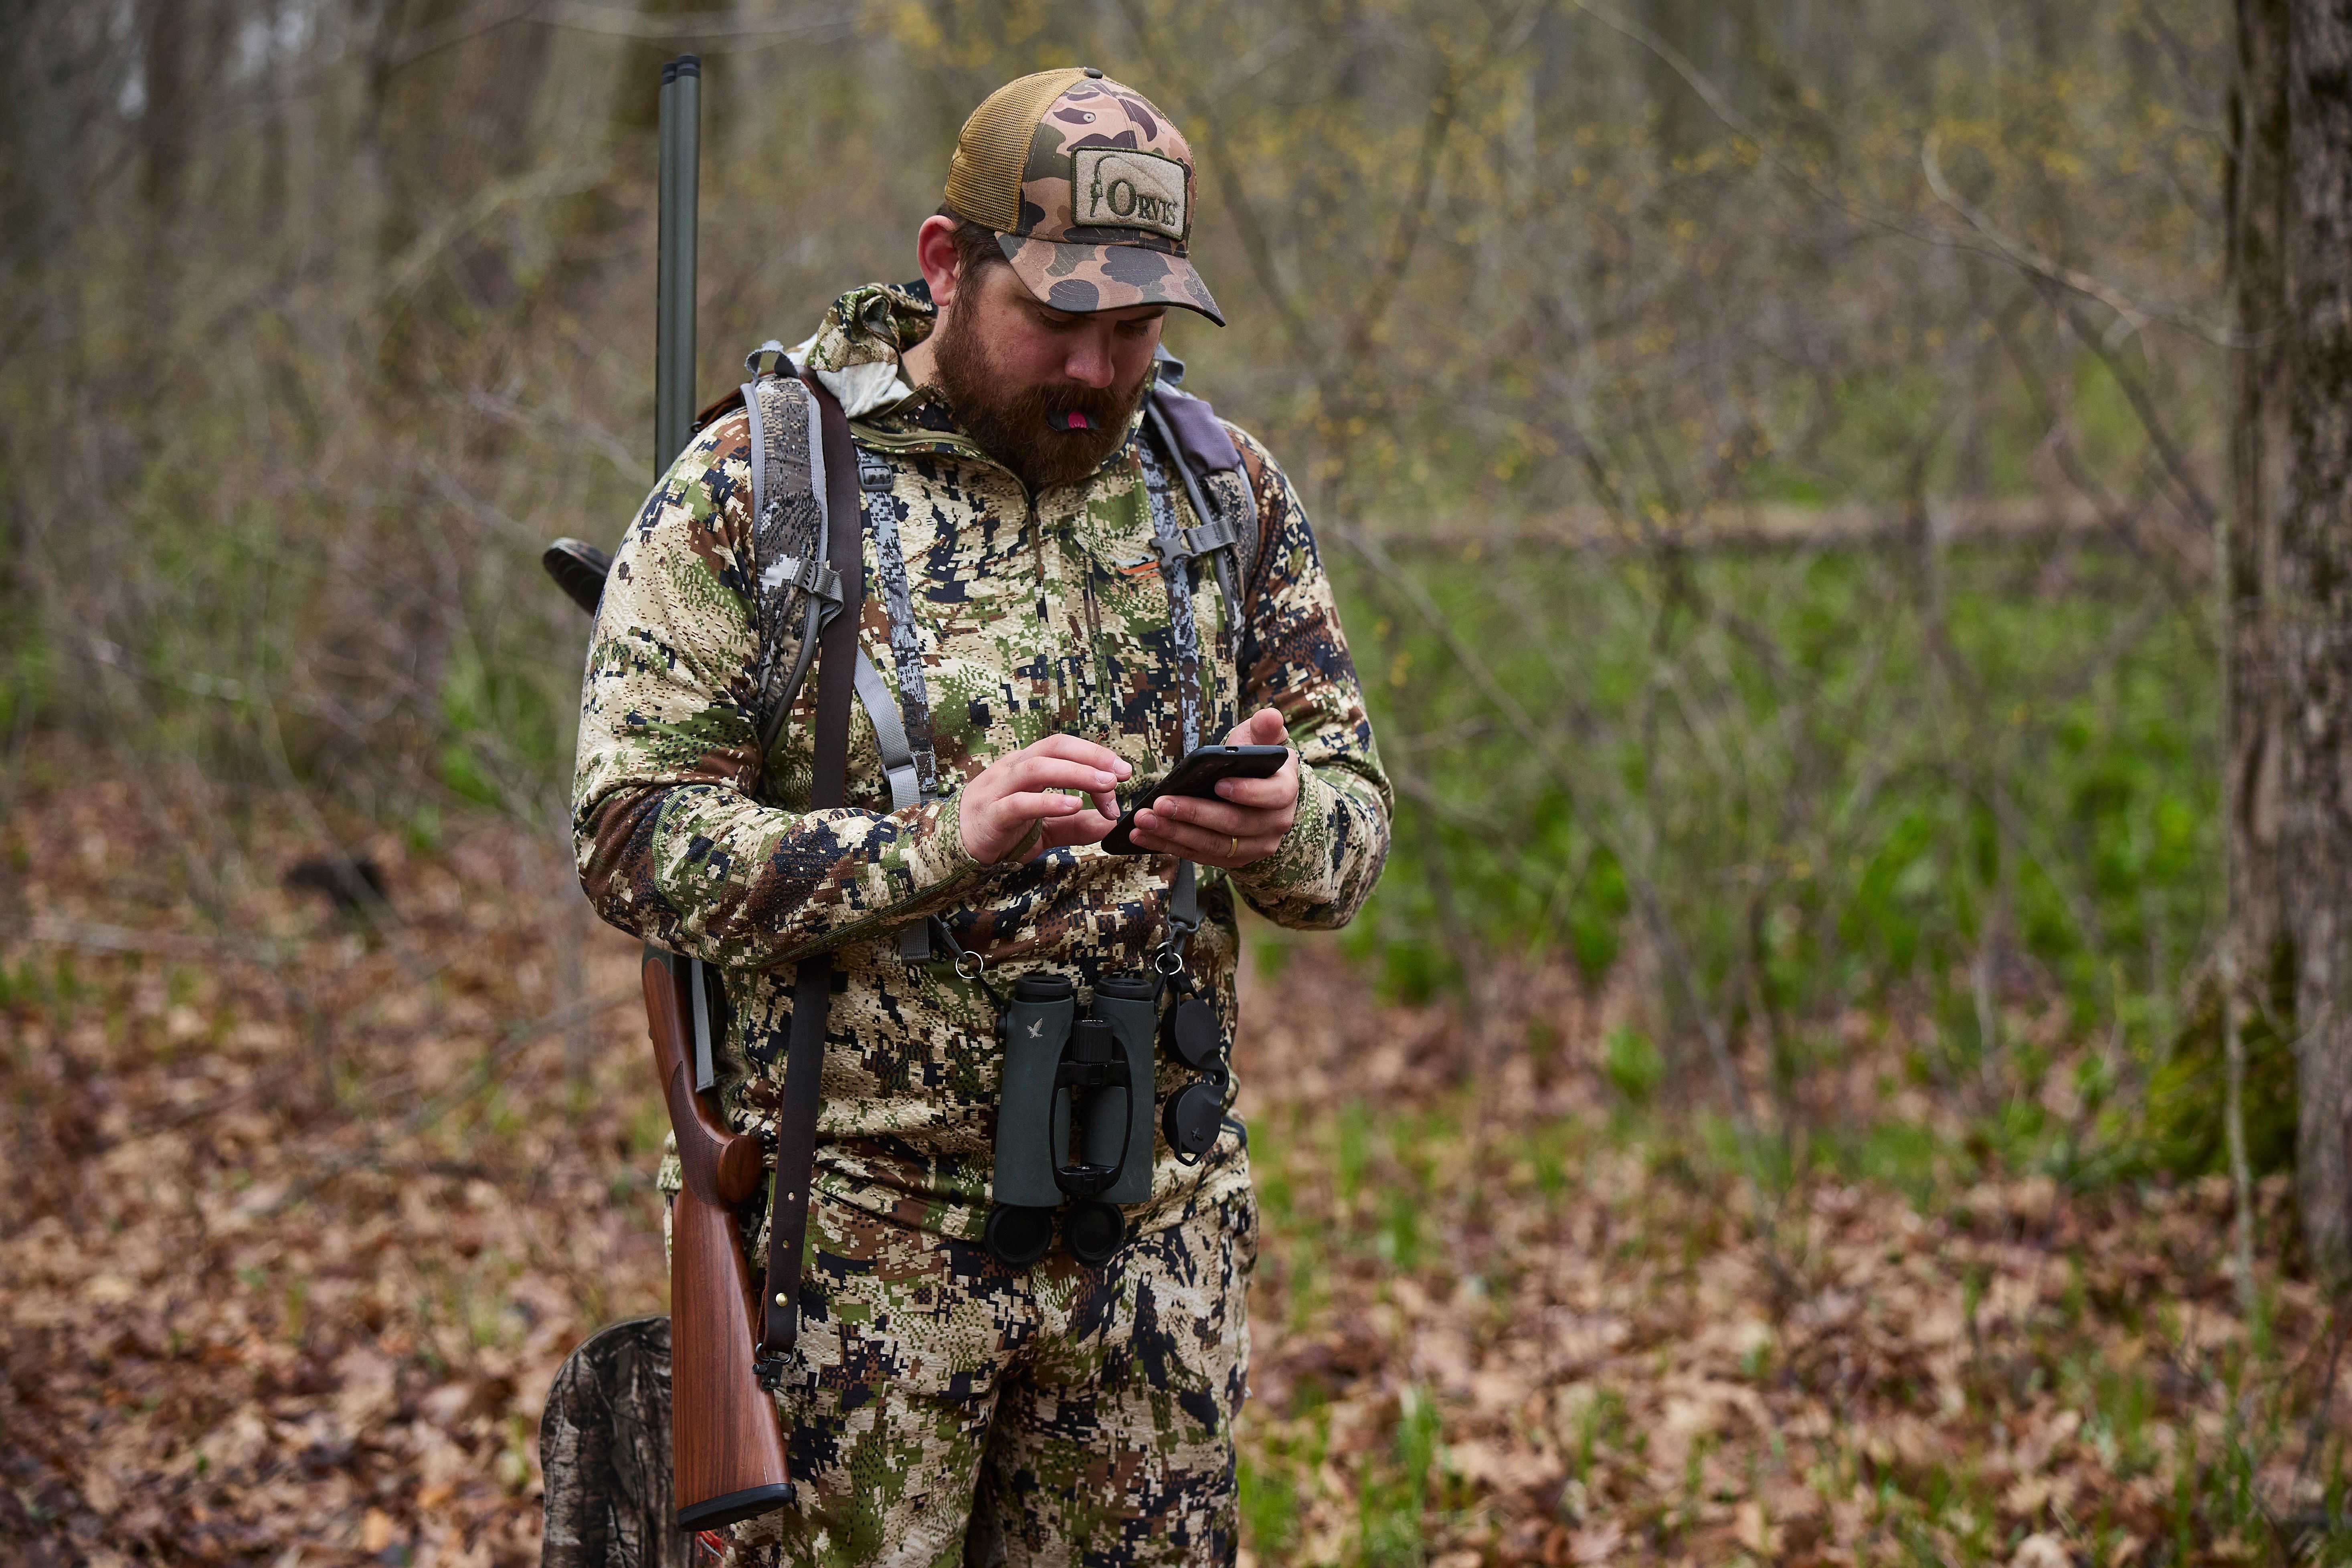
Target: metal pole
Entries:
(681, 121)
(666, 277)
(688, 103)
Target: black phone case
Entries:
(1198, 774)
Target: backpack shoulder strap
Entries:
(788, 1196)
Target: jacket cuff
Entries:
(1300, 866)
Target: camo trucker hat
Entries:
(1090, 189)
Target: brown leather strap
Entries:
(812, 988)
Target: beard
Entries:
(1016, 424)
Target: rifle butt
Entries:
(727, 1446)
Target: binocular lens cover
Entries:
(1191, 1033)
(1192, 1118)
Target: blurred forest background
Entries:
(1773, 453)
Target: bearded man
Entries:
(1054, 651)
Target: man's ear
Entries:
(937, 257)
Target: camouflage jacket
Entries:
(1035, 615)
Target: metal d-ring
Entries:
(979, 964)
(1168, 962)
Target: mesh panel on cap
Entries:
(985, 178)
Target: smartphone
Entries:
(1198, 774)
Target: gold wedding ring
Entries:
(1236, 848)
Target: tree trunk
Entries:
(2315, 613)
(2288, 565)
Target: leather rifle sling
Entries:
(812, 988)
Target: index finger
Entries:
(1277, 788)
(1072, 748)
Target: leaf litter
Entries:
(304, 1205)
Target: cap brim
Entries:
(1088, 278)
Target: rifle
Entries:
(726, 1448)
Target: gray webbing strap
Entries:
(758, 450)
(882, 510)
(908, 757)
(1183, 899)
(899, 766)
(897, 757)
(705, 1057)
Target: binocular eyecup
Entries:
(1018, 1236)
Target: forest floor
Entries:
(302, 1208)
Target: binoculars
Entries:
(1073, 1127)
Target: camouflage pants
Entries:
(961, 1412)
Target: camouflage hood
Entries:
(856, 348)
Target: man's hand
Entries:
(1020, 792)
(1246, 821)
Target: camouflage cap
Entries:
(1090, 189)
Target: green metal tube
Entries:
(666, 277)
(689, 103)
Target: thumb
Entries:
(1262, 728)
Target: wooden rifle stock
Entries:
(726, 1448)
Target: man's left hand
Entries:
(1243, 823)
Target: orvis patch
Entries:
(1118, 187)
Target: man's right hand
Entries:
(1021, 791)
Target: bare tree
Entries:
(2288, 588)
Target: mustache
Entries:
(1075, 408)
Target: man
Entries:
(945, 1407)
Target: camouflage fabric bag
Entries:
(604, 1447)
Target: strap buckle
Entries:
(873, 471)
(1215, 535)
(810, 576)
(1191, 544)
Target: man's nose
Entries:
(1089, 361)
